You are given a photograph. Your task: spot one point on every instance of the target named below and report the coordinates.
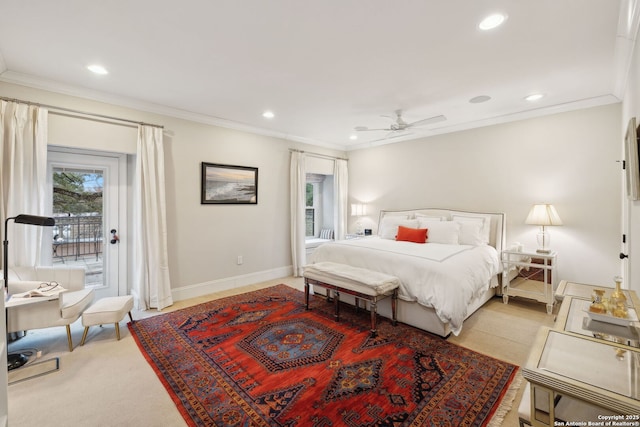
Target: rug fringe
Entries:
(507, 401)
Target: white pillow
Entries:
(420, 216)
(471, 233)
(441, 231)
(483, 220)
(389, 226)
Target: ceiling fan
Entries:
(399, 125)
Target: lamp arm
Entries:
(5, 253)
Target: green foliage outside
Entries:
(309, 194)
(77, 193)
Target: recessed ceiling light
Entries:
(492, 21)
(268, 115)
(534, 97)
(353, 137)
(479, 99)
(97, 69)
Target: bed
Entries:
(444, 280)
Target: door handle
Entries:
(114, 237)
(623, 256)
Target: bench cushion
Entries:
(107, 310)
(356, 279)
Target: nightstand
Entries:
(535, 275)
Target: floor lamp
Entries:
(16, 360)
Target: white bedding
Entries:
(445, 277)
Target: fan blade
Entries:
(365, 129)
(428, 121)
(393, 135)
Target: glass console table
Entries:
(584, 291)
(573, 317)
(600, 373)
(585, 360)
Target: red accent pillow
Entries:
(415, 235)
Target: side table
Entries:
(584, 370)
(536, 274)
(584, 291)
(593, 371)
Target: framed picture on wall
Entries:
(632, 164)
(228, 184)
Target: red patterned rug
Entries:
(261, 359)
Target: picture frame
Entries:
(632, 164)
(229, 184)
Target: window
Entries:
(319, 204)
(311, 209)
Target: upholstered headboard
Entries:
(497, 234)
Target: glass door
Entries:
(85, 199)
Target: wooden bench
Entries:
(361, 283)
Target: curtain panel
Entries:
(341, 188)
(298, 180)
(23, 162)
(152, 285)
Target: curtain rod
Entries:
(84, 113)
(324, 156)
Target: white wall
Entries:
(568, 159)
(204, 240)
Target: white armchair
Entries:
(61, 312)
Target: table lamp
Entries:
(543, 215)
(16, 360)
(359, 210)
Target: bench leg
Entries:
(118, 331)
(131, 317)
(70, 342)
(374, 309)
(306, 293)
(336, 298)
(84, 335)
(394, 307)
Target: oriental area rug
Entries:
(261, 359)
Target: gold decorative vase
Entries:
(617, 296)
(597, 306)
(620, 310)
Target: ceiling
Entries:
(325, 67)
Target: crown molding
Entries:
(506, 118)
(57, 87)
(93, 95)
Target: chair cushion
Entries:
(75, 302)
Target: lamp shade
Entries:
(43, 221)
(358, 209)
(543, 214)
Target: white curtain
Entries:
(152, 286)
(341, 188)
(298, 202)
(23, 162)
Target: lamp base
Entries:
(543, 251)
(16, 360)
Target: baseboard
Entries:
(205, 288)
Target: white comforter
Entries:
(445, 277)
